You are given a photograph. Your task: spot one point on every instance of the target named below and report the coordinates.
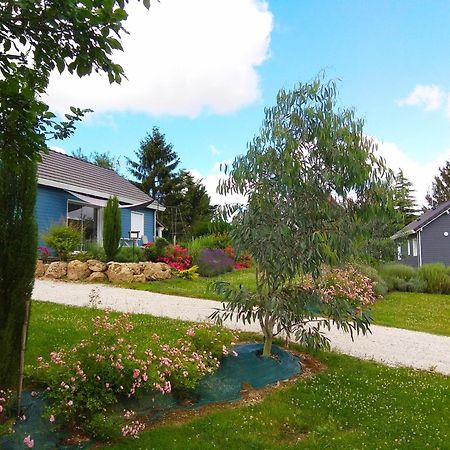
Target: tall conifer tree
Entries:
(440, 188)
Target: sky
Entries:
(203, 71)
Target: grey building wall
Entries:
(409, 260)
(435, 245)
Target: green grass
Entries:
(352, 404)
(197, 288)
(419, 312)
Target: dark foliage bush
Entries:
(154, 250)
(397, 276)
(127, 254)
(436, 278)
(212, 262)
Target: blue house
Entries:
(74, 191)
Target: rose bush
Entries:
(97, 372)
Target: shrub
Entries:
(345, 283)
(243, 261)
(218, 240)
(112, 228)
(436, 278)
(212, 262)
(43, 253)
(188, 274)
(380, 286)
(89, 377)
(153, 250)
(95, 251)
(176, 257)
(397, 276)
(64, 239)
(128, 254)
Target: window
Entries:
(85, 218)
(137, 223)
(409, 248)
(414, 246)
(399, 252)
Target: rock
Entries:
(136, 268)
(96, 266)
(119, 273)
(56, 270)
(139, 278)
(97, 276)
(77, 270)
(40, 269)
(156, 271)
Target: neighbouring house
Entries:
(426, 239)
(74, 191)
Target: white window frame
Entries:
(409, 248)
(414, 246)
(133, 227)
(399, 252)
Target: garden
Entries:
(95, 377)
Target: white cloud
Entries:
(211, 181)
(181, 58)
(421, 175)
(429, 97)
(214, 150)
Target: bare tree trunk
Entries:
(267, 329)
(23, 343)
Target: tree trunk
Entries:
(267, 346)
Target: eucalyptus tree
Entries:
(37, 37)
(301, 175)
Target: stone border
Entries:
(95, 270)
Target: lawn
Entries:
(351, 404)
(197, 288)
(413, 311)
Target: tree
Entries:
(405, 202)
(112, 228)
(189, 209)
(37, 37)
(155, 167)
(101, 159)
(299, 175)
(440, 188)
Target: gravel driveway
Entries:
(392, 346)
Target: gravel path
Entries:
(391, 346)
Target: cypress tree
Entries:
(440, 188)
(112, 228)
(18, 252)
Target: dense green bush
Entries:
(154, 250)
(396, 276)
(436, 278)
(63, 239)
(128, 254)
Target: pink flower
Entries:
(1, 409)
(28, 441)
(190, 332)
(136, 373)
(51, 418)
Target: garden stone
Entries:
(97, 276)
(119, 273)
(139, 278)
(135, 268)
(96, 266)
(78, 270)
(40, 269)
(156, 271)
(56, 270)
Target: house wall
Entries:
(51, 208)
(436, 246)
(409, 260)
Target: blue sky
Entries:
(202, 71)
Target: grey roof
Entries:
(423, 220)
(58, 167)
